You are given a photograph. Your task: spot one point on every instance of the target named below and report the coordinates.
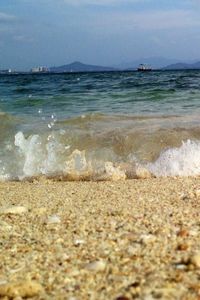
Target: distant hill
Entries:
(154, 62)
(80, 67)
(183, 66)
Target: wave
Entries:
(35, 156)
(8, 124)
(182, 161)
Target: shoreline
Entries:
(134, 239)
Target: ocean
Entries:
(100, 126)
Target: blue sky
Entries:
(105, 32)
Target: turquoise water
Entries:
(99, 126)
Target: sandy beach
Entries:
(134, 239)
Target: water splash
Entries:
(39, 157)
(182, 161)
(36, 156)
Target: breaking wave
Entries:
(35, 156)
(182, 161)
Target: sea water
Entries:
(100, 126)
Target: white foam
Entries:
(5, 177)
(182, 161)
(31, 152)
(47, 156)
(114, 173)
(76, 162)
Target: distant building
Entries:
(39, 70)
(7, 71)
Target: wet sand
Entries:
(134, 239)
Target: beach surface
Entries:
(133, 239)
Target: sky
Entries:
(102, 32)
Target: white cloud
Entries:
(23, 38)
(166, 20)
(7, 25)
(99, 2)
(142, 21)
(6, 17)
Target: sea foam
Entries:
(48, 157)
(36, 156)
(182, 161)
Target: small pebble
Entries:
(22, 289)
(184, 196)
(13, 210)
(143, 173)
(5, 226)
(147, 238)
(54, 219)
(98, 266)
(197, 193)
(79, 242)
(193, 232)
(40, 211)
(195, 260)
(182, 247)
(183, 233)
(181, 266)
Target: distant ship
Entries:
(144, 68)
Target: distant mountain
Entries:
(183, 66)
(80, 67)
(155, 62)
